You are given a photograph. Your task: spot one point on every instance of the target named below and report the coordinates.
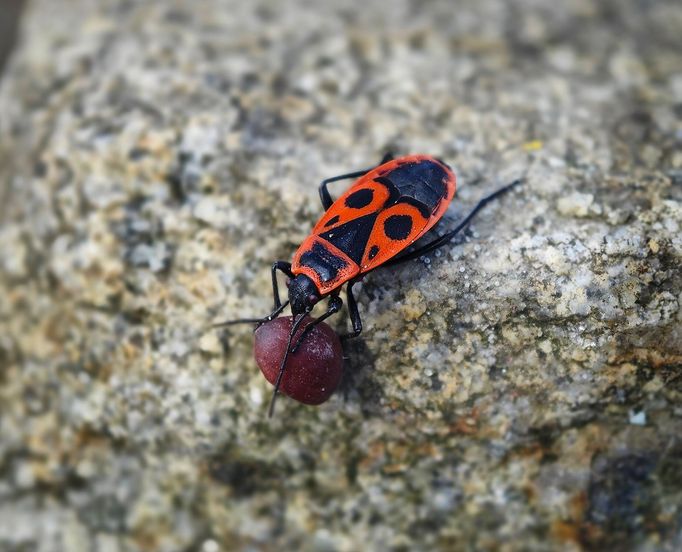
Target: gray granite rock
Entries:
(518, 390)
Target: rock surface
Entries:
(519, 390)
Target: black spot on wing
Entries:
(361, 198)
(398, 227)
(323, 262)
(373, 251)
(352, 236)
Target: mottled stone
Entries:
(519, 389)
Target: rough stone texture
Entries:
(518, 391)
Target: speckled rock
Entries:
(517, 390)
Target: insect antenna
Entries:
(259, 321)
(294, 327)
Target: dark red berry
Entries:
(313, 372)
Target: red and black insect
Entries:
(386, 210)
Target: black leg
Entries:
(325, 196)
(353, 312)
(284, 267)
(388, 156)
(445, 238)
(335, 304)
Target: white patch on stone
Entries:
(637, 418)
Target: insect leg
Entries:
(353, 312)
(284, 267)
(388, 156)
(335, 304)
(445, 238)
(325, 197)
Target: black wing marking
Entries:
(352, 237)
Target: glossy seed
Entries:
(313, 372)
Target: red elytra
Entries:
(313, 373)
(381, 214)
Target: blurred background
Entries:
(9, 21)
(520, 389)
